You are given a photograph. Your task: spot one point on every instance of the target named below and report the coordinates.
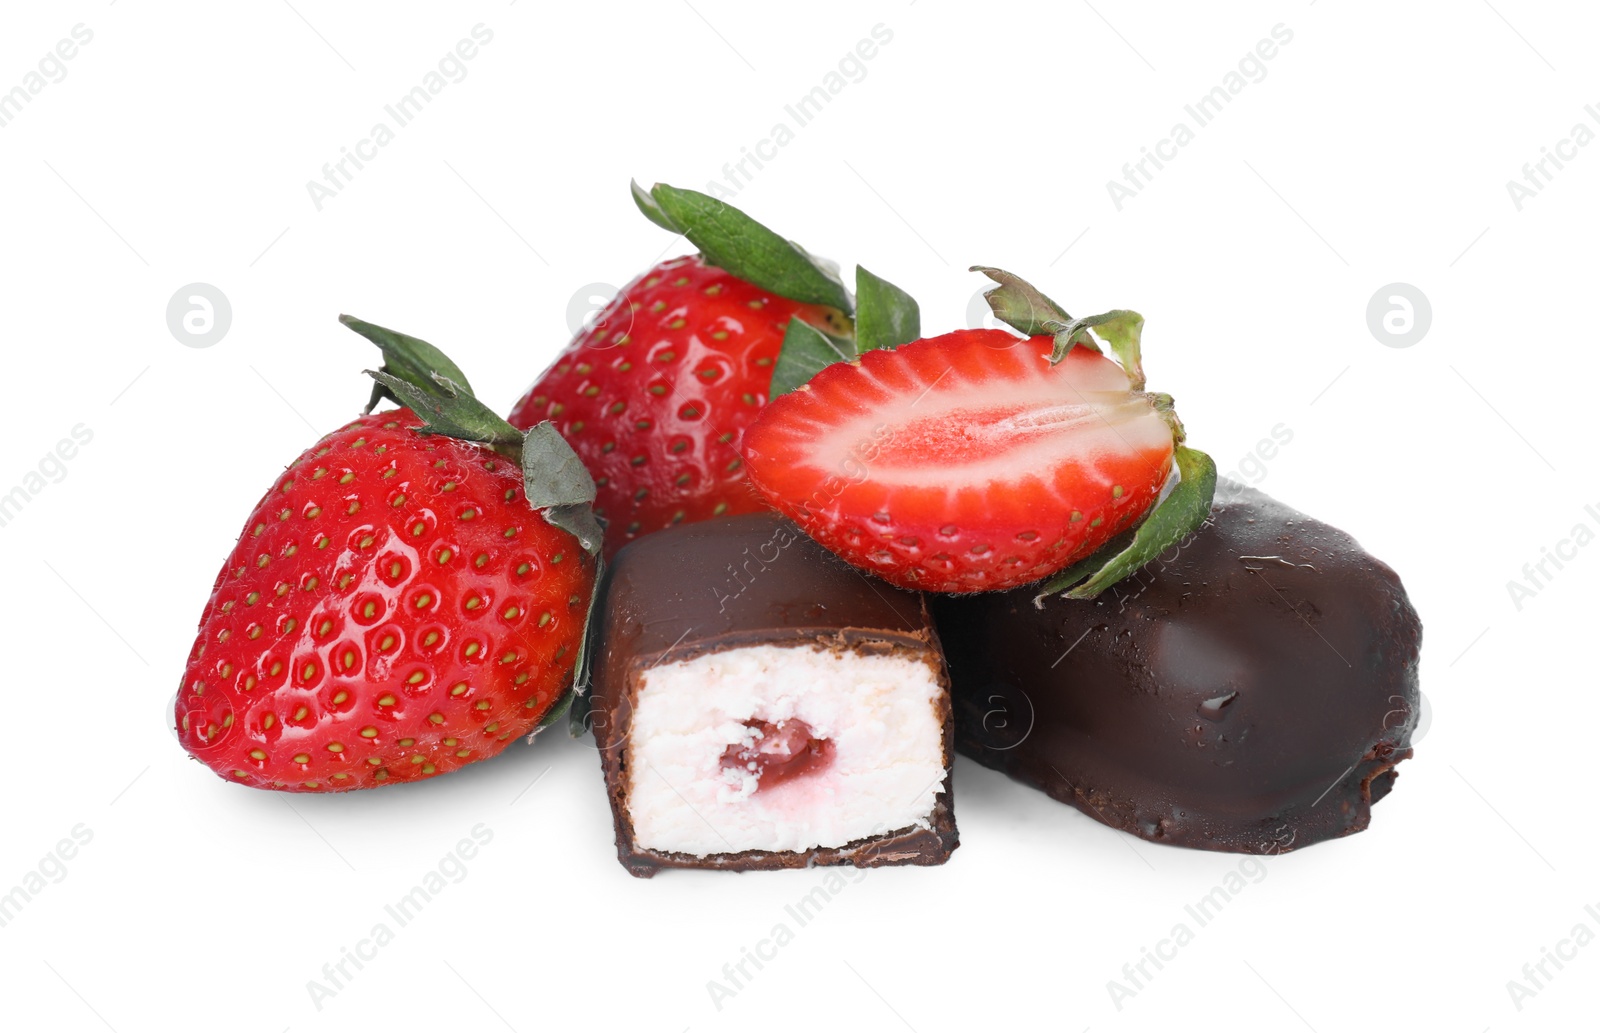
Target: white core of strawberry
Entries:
(965, 433)
(875, 718)
(1082, 415)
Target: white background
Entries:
(1375, 150)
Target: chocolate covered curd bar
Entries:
(759, 704)
(1251, 690)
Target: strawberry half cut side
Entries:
(980, 461)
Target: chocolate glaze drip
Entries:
(1251, 690)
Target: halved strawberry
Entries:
(965, 462)
(977, 460)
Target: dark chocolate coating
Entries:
(755, 579)
(1250, 691)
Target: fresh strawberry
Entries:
(977, 460)
(655, 396)
(396, 606)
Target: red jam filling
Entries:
(779, 752)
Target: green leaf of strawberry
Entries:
(576, 702)
(450, 409)
(410, 358)
(886, 316)
(557, 481)
(732, 240)
(1172, 520)
(652, 211)
(1021, 305)
(806, 351)
(1119, 328)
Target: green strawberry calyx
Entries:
(419, 376)
(1185, 503)
(879, 315)
(1176, 516)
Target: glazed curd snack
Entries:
(760, 704)
(1253, 689)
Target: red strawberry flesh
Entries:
(964, 462)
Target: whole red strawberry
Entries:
(396, 606)
(656, 395)
(980, 461)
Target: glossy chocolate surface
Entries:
(1250, 691)
(755, 579)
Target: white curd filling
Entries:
(783, 748)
